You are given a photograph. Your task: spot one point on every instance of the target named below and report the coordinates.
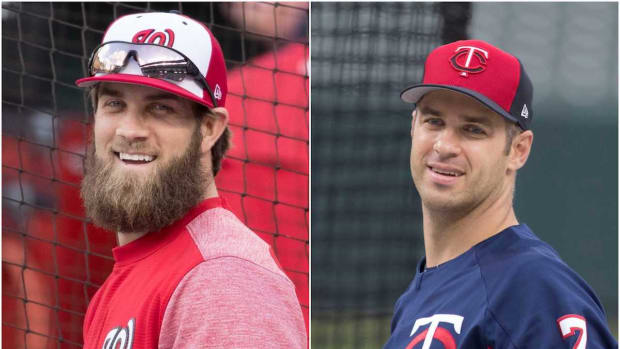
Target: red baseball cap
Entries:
(181, 33)
(494, 77)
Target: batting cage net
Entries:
(366, 213)
(53, 259)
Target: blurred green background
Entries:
(366, 221)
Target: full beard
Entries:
(124, 202)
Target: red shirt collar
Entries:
(152, 241)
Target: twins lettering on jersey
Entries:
(436, 332)
(120, 337)
(570, 325)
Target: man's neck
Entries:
(448, 235)
(125, 238)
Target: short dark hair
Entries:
(220, 147)
(512, 130)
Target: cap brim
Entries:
(413, 94)
(145, 81)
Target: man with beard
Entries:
(187, 273)
(486, 282)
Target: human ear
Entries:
(212, 127)
(414, 114)
(520, 150)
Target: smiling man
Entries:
(486, 282)
(187, 273)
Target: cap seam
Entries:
(515, 87)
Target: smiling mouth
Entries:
(450, 173)
(135, 159)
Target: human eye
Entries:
(111, 104)
(161, 109)
(475, 130)
(433, 122)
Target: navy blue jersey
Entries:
(509, 291)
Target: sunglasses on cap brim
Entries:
(155, 61)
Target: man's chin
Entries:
(446, 201)
(132, 178)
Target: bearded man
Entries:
(187, 273)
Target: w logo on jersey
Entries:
(120, 337)
(434, 332)
(150, 36)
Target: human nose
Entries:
(446, 144)
(132, 127)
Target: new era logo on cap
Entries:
(218, 92)
(524, 111)
(481, 71)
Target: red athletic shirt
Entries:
(206, 281)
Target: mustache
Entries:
(122, 145)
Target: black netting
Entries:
(53, 259)
(366, 221)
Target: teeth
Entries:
(135, 157)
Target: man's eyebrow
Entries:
(107, 91)
(480, 119)
(428, 110)
(163, 95)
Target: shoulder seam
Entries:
(282, 275)
(486, 293)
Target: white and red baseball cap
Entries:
(482, 71)
(181, 33)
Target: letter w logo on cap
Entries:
(149, 36)
(468, 53)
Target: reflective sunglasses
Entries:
(155, 61)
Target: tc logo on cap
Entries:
(149, 36)
(469, 53)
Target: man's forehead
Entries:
(442, 101)
(120, 89)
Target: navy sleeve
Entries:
(541, 303)
(398, 309)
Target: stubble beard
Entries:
(123, 202)
(436, 202)
(456, 204)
